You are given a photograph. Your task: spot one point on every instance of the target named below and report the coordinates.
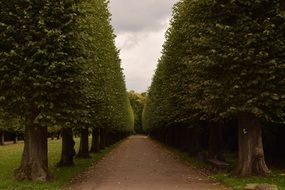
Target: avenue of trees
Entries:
(223, 64)
(60, 70)
(137, 101)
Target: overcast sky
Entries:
(140, 26)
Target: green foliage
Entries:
(239, 60)
(105, 101)
(59, 64)
(137, 102)
(10, 123)
(39, 59)
(220, 58)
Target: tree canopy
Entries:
(59, 66)
(221, 60)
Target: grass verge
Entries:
(277, 177)
(10, 156)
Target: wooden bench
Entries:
(218, 164)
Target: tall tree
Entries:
(243, 70)
(38, 72)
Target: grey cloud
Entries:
(129, 40)
(139, 61)
(139, 15)
(140, 26)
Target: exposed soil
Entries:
(141, 164)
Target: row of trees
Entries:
(9, 125)
(223, 61)
(137, 101)
(59, 68)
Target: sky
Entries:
(140, 26)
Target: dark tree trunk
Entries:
(2, 138)
(193, 141)
(102, 138)
(216, 141)
(15, 139)
(34, 164)
(95, 145)
(251, 155)
(84, 145)
(67, 151)
(171, 136)
(184, 139)
(58, 136)
(110, 137)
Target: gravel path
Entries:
(141, 164)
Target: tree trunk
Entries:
(108, 139)
(102, 138)
(67, 151)
(184, 139)
(84, 146)
(15, 139)
(216, 141)
(251, 155)
(58, 135)
(2, 138)
(34, 164)
(193, 141)
(95, 145)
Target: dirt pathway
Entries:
(141, 164)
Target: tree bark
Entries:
(184, 139)
(251, 155)
(84, 145)
(58, 135)
(2, 138)
(67, 151)
(102, 138)
(34, 164)
(193, 141)
(216, 141)
(95, 145)
(15, 141)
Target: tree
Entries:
(242, 70)
(137, 103)
(38, 72)
(67, 152)
(106, 110)
(110, 107)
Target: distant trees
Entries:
(9, 124)
(221, 60)
(59, 67)
(137, 102)
(109, 112)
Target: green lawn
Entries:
(10, 156)
(277, 178)
(237, 183)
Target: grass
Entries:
(10, 156)
(277, 177)
(238, 183)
